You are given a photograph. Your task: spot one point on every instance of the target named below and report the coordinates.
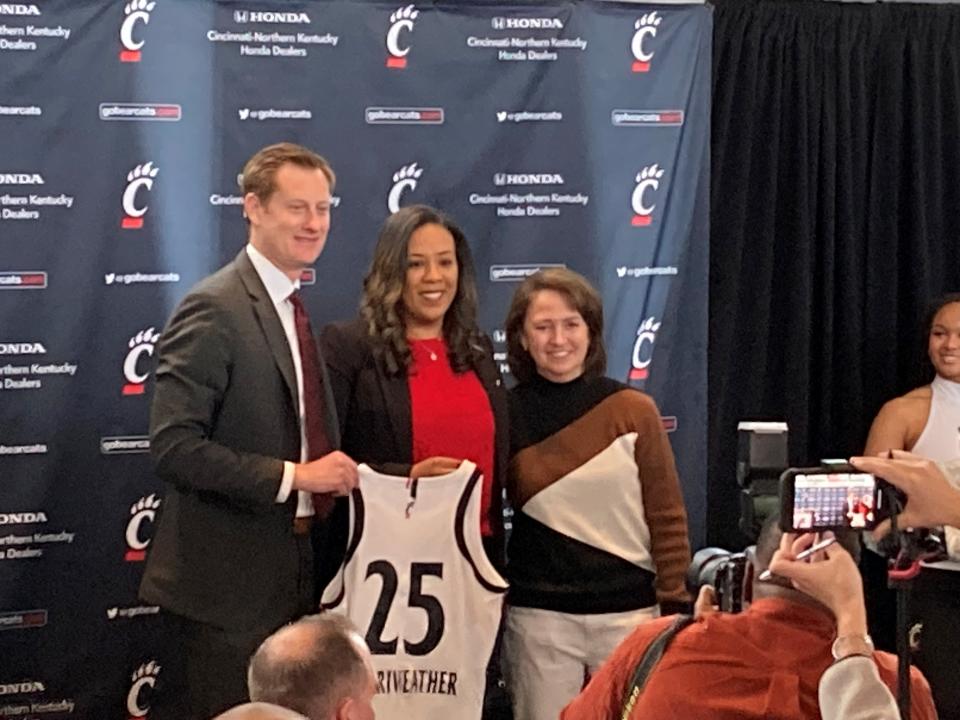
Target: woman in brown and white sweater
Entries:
(599, 541)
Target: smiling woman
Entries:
(599, 541)
(416, 387)
(926, 421)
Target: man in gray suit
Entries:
(243, 432)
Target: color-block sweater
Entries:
(599, 521)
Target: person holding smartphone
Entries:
(851, 688)
(767, 661)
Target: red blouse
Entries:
(451, 415)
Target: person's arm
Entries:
(931, 499)
(663, 509)
(851, 689)
(192, 376)
(889, 429)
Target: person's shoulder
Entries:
(346, 340)
(353, 330)
(627, 399)
(217, 295)
(909, 408)
(924, 392)
(636, 643)
(218, 285)
(483, 344)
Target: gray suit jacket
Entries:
(223, 419)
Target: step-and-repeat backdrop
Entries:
(568, 133)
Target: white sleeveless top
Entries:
(419, 587)
(940, 441)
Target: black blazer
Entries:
(223, 419)
(373, 408)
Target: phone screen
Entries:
(834, 500)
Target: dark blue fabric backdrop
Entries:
(554, 133)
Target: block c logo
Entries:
(142, 510)
(143, 343)
(645, 27)
(143, 676)
(643, 349)
(403, 179)
(401, 19)
(140, 177)
(135, 11)
(648, 180)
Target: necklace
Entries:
(424, 345)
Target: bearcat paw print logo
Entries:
(650, 20)
(144, 338)
(135, 11)
(403, 179)
(146, 674)
(147, 170)
(645, 28)
(142, 6)
(409, 12)
(651, 172)
(408, 172)
(149, 670)
(650, 325)
(151, 502)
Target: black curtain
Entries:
(835, 218)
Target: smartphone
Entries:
(829, 498)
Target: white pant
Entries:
(546, 654)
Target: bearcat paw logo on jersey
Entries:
(145, 676)
(143, 343)
(403, 179)
(646, 27)
(136, 11)
(141, 176)
(648, 182)
(143, 510)
(400, 20)
(643, 349)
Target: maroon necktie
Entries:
(318, 444)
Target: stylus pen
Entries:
(809, 552)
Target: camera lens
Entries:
(704, 566)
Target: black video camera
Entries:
(726, 571)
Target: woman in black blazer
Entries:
(419, 306)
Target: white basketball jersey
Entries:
(419, 587)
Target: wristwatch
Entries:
(847, 645)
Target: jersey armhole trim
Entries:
(494, 586)
(358, 521)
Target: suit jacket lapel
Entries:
(269, 323)
(396, 399)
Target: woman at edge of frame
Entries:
(926, 421)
